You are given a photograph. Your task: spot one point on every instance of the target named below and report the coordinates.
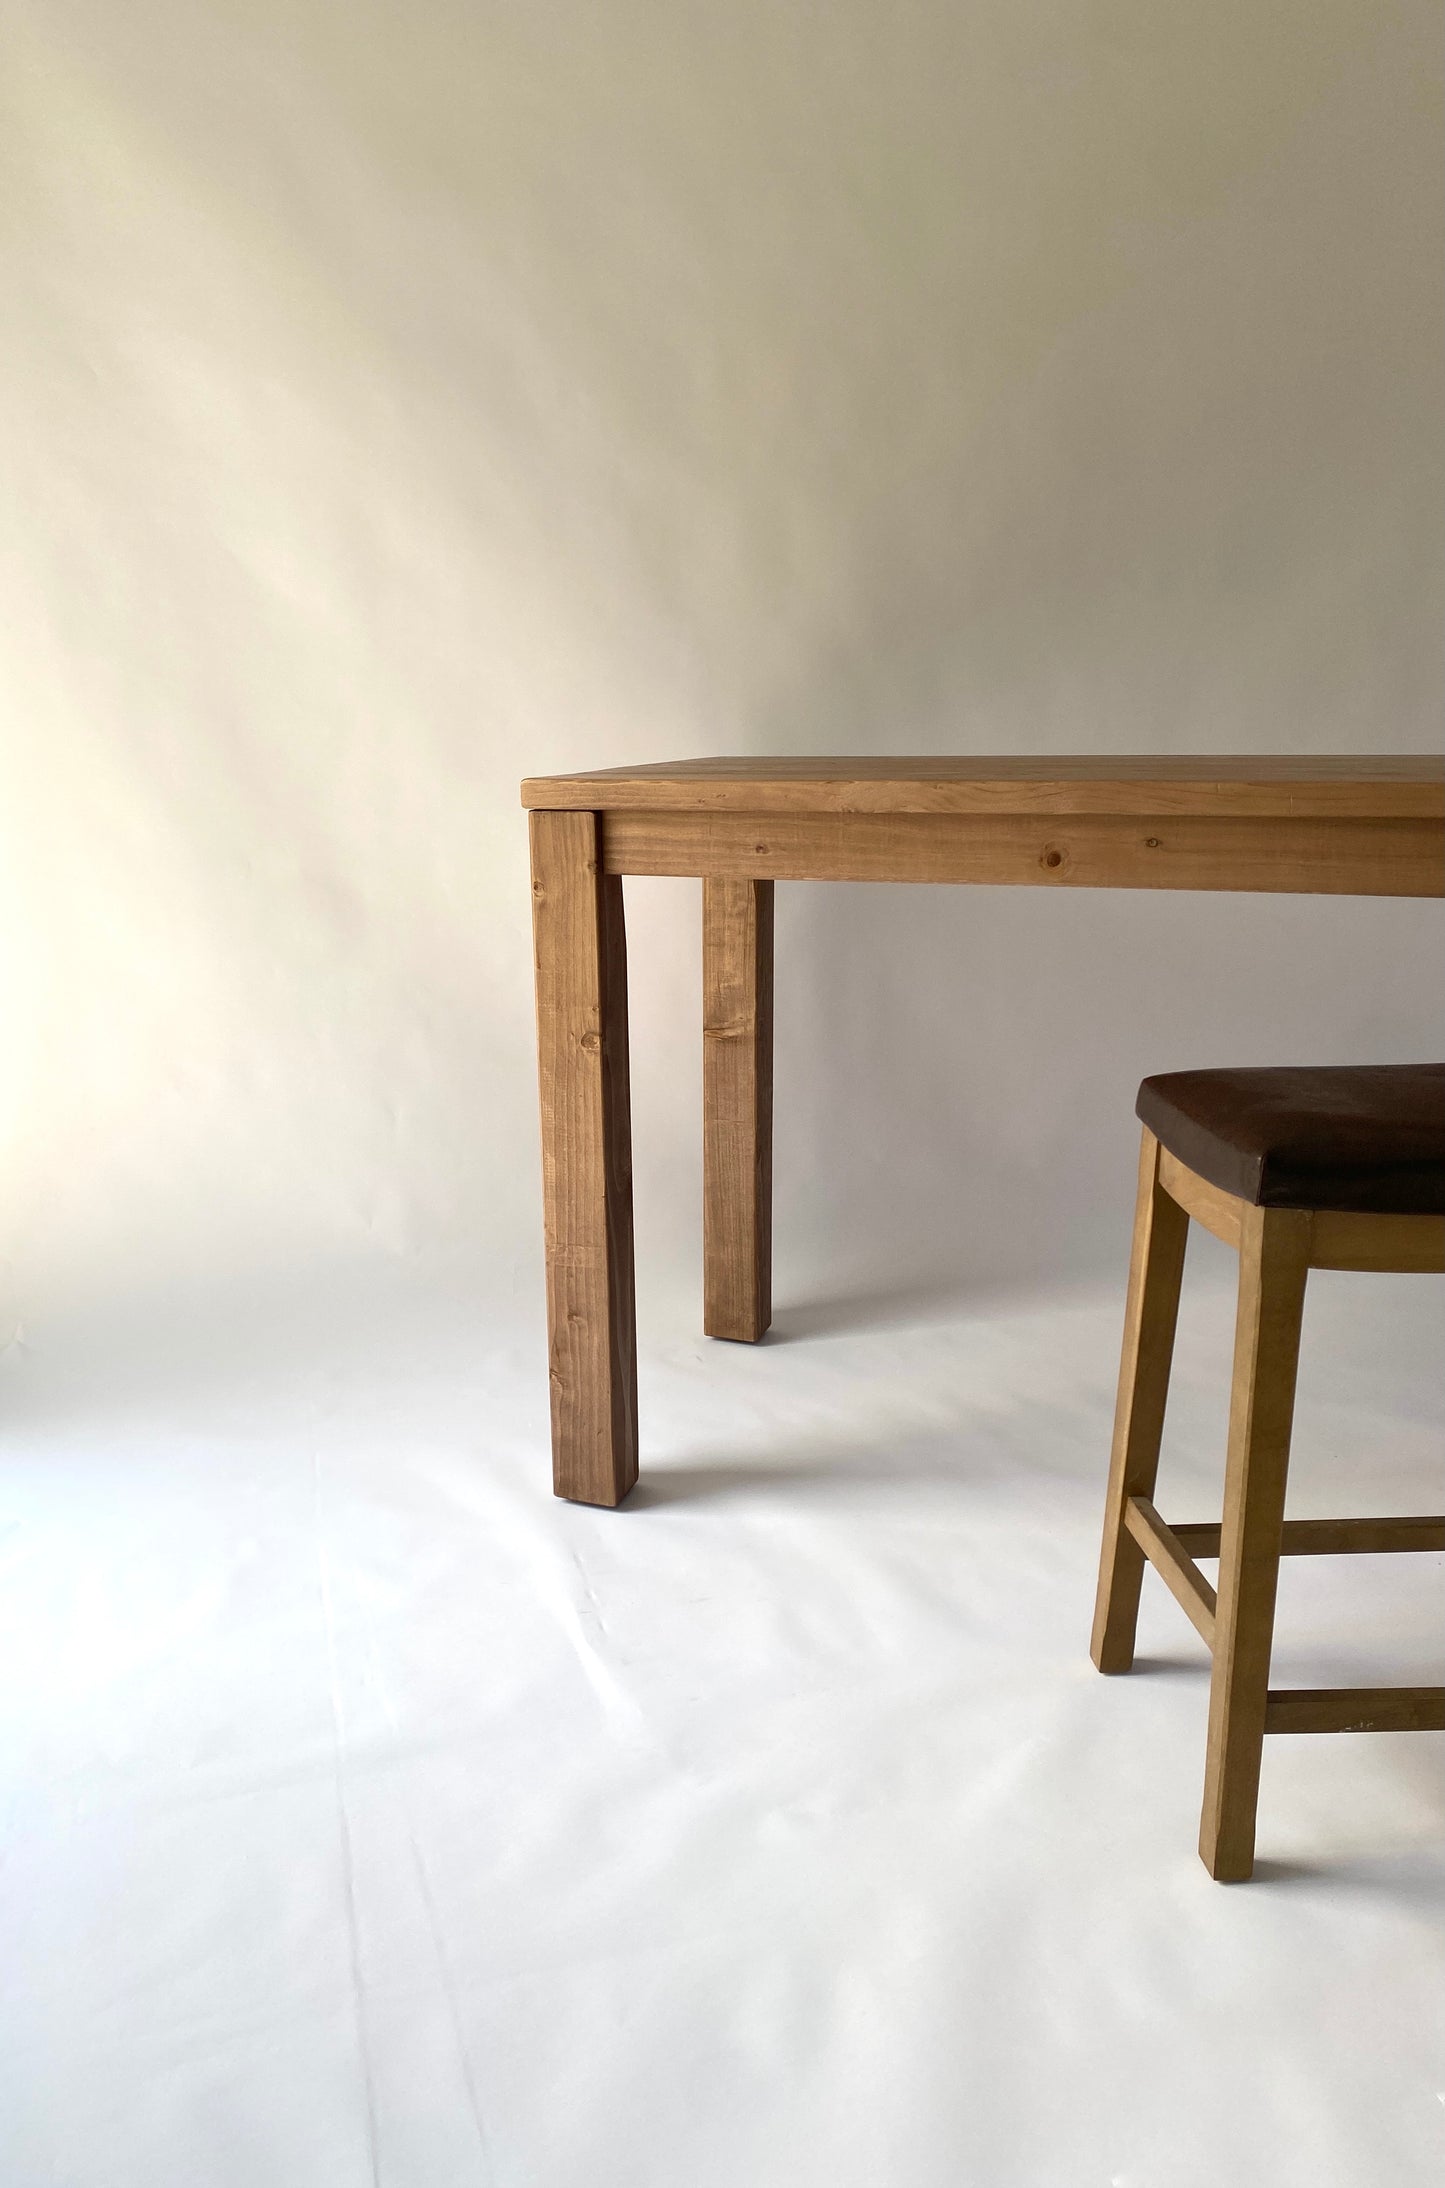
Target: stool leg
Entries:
(1156, 1267)
(1273, 1263)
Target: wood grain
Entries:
(1277, 1248)
(1408, 1245)
(1156, 1268)
(1209, 1205)
(581, 967)
(1273, 1264)
(1271, 786)
(737, 1026)
(1175, 1567)
(1312, 825)
(1339, 1238)
(1356, 1709)
(1359, 857)
(1331, 1537)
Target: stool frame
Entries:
(1277, 1248)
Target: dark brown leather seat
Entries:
(1365, 1137)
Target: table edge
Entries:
(1346, 798)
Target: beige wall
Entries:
(401, 399)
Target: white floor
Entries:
(372, 1818)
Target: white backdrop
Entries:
(401, 400)
(396, 406)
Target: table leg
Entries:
(737, 1024)
(581, 960)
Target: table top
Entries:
(1337, 786)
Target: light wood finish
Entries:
(1353, 857)
(1273, 1264)
(1272, 786)
(581, 966)
(1216, 1210)
(1175, 1567)
(1406, 1245)
(1277, 1247)
(1356, 1709)
(1331, 1537)
(737, 1029)
(1156, 1267)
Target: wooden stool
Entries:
(1297, 1170)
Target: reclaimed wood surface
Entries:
(737, 1140)
(1339, 824)
(1337, 786)
(581, 967)
(1312, 856)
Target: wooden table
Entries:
(1358, 827)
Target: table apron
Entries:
(1340, 857)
